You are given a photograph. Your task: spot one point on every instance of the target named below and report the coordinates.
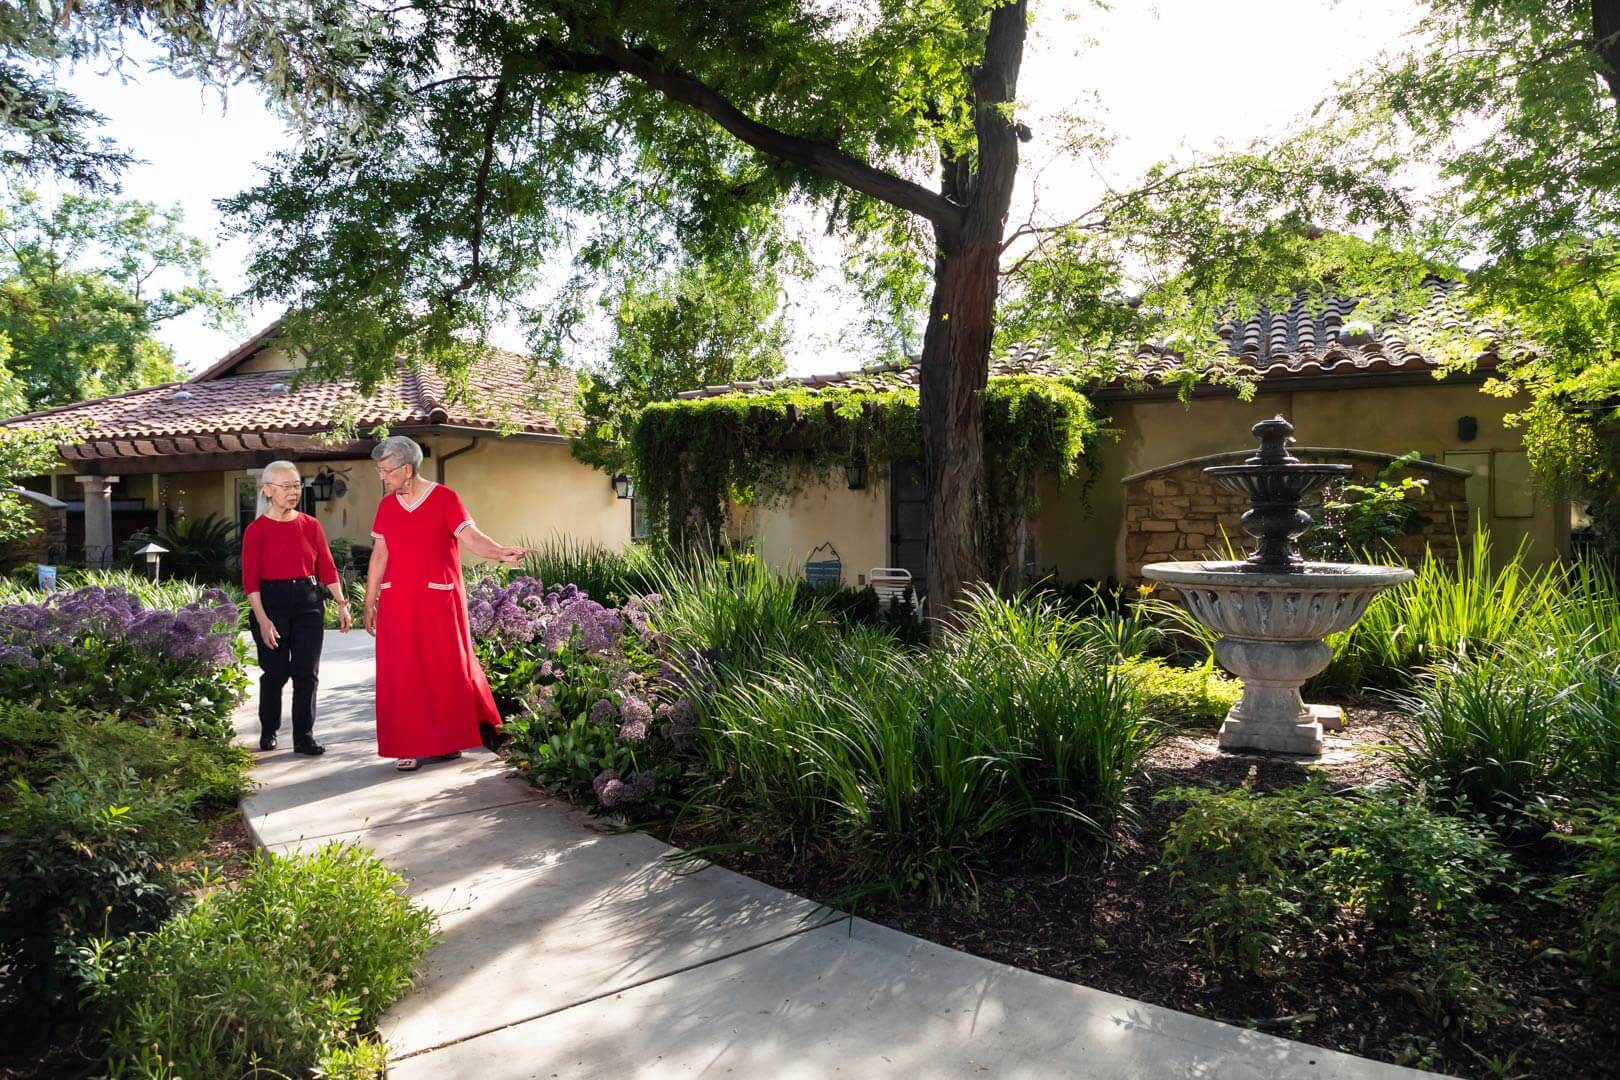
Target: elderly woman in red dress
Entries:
(432, 696)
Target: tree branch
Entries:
(650, 67)
(481, 187)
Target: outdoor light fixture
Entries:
(1467, 428)
(153, 553)
(622, 487)
(855, 473)
(320, 488)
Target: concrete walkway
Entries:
(568, 951)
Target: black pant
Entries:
(297, 610)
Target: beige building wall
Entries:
(269, 359)
(856, 523)
(526, 491)
(1390, 419)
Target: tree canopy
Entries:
(699, 325)
(84, 283)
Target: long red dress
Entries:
(431, 692)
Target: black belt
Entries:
(307, 579)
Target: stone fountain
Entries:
(1273, 609)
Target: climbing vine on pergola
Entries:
(693, 456)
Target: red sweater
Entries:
(278, 550)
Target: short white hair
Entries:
(278, 466)
(400, 450)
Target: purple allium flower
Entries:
(612, 792)
(633, 731)
(17, 656)
(635, 710)
(602, 712)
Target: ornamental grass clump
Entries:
(911, 772)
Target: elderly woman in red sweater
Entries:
(285, 564)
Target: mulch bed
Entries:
(1112, 925)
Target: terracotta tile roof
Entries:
(1279, 343)
(246, 411)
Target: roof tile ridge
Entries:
(54, 409)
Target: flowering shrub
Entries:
(101, 648)
(594, 710)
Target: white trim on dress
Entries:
(385, 585)
(411, 508)
(441, 586)
(468, 524)
(377, 536)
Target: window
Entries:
(638, 518)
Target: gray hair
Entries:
(400, 450)
(277, 466)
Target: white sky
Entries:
(1174, 77)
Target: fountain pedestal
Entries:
(1273, 609)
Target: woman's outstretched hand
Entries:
(511, 556)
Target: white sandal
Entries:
(407, 764)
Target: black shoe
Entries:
(267, 742)
(312, 748)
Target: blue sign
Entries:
(47, 578)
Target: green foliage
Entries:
(1357, 519)
(1261, 876)
(700, 325)
(22, 454)
(1483, 729)
(279, 972)
(1599, 834)
(691, 456)
(917, 770)
(203, 547)
(1514, 105)
(1193, 696)
(83, 286)
(606, 575)
(366, 1059)
(87, 853)
(97, 811)
(167, 595)
(1444, 612)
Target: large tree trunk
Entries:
(961, 320)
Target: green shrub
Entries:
(86, 854)
(366, 1059)
(1230, 856)
(1195, 696)
(1260, 876)
(272, 974)
(1600, 877)
(37, 744)
(1592, 723)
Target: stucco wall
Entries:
(271, 359)
(854, 522)
(520, 491)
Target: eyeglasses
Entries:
(385, 472)
(288, 486)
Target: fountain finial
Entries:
(1276, 436)
(1275, 481)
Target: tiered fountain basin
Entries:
(1271, 627)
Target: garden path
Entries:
(568, 950)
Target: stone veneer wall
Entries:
(1174, 513)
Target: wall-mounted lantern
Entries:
(622, 487)
(855, 472)
(320, 488)
(1467, 428)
